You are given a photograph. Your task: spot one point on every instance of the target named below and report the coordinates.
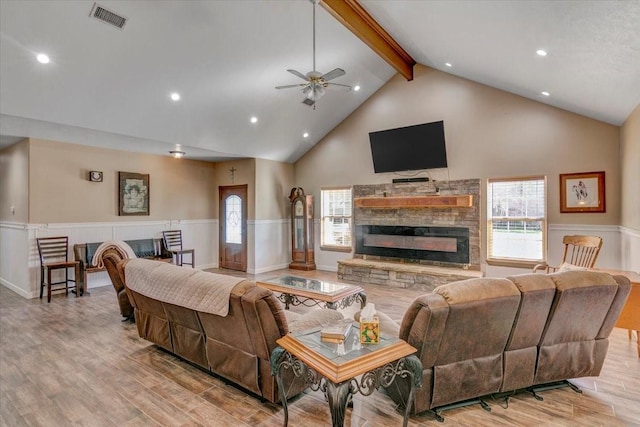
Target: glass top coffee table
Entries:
(333, 367)
(295, 290)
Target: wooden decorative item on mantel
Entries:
(453, 201)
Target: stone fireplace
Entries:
(415, 234)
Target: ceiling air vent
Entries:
(101, 14)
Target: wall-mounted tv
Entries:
(409, 148)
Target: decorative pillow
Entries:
(569, 267)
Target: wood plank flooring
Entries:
(73, 362)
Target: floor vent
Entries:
(101, 14)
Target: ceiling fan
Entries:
(315, 82)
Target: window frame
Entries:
(516, 262)
(331, 247)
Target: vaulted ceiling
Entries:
(111, 87)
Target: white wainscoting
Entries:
(20, 266)
(610, 254)
(630, 249)
(269, 245)
(14, 257)
(620, 248)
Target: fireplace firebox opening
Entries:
(441, 244)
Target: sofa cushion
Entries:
(480, 318)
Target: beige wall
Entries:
(60, 192)
(274, 181)
(630, 168)
(14, 183)
(244, 173)
(489, 133)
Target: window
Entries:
(336, 219)
(516, 220)
(233, 209)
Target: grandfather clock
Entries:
(302, 257)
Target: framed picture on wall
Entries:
(133, 193)
(582, 192)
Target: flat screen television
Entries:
(409, 148)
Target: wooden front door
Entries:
(233, 227)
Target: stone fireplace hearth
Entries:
(414, 235)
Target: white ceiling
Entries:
(110, 88)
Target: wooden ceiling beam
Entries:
(353, 16)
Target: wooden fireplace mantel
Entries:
(434, 201)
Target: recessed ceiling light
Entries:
(356, 88)
(254, 119)
(42, 58)
(545, 93)
(305, 135)
(448, 64)
(175, 96)
(541, 52)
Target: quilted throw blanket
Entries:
(183, 286)
(123, 249)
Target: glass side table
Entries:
(333, 367)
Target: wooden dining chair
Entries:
(54, 255)
(580, 252)
(173, 243)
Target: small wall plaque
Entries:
(95, 176)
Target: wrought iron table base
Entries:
(338, 395)
(294, 300)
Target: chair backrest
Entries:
(111, 257)
(581, 251)
(53, 249)
(172, 239)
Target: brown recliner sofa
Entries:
(484, 336)
(172, 310)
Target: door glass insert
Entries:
(233, 220)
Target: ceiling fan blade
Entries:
(290, 86)
(337, 72)
(298, 74)
(338, 84)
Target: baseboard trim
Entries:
(18, 290)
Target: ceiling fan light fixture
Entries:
(314, 92)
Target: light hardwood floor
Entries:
(73, 362)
